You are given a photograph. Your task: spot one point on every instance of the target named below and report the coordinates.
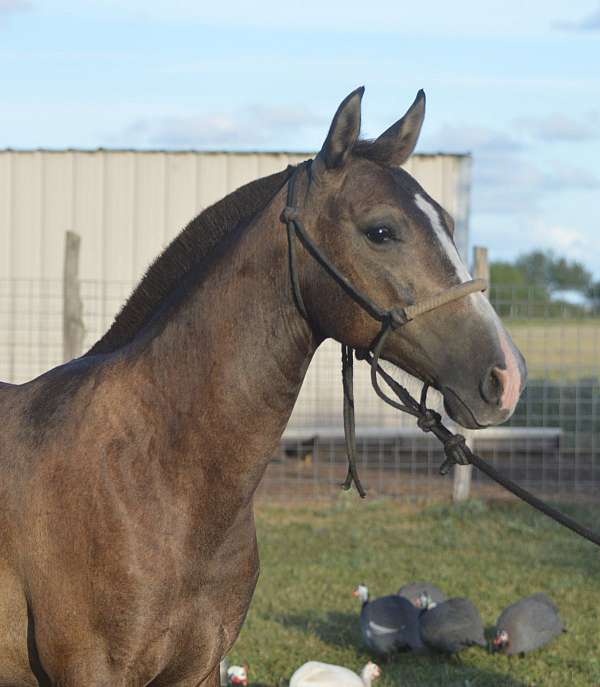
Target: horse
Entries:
(128, 552)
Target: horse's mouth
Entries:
(458, 410)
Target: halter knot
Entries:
(398, 317)
(428, 420)
(361, 353)
(290, 214)
(455, 448)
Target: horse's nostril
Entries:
(492, 386)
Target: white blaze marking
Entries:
(442, 236)
(478, 300)
(510, 378)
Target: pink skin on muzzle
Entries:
(511, 377)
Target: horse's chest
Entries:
(206, 620)
(166, 606)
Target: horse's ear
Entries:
(401, 138)
(343, 132)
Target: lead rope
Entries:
(349, 422)
(455, 448)
(457, 452)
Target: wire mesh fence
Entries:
(551, 444)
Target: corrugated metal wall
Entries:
(127, 205)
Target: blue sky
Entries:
(515, 83)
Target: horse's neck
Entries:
(230, 361)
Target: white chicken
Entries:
(317, 674)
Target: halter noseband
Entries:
(455, 447)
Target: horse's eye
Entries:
(379, 234)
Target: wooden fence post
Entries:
(462, 473)
(73, 328)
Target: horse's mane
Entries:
(191, 247)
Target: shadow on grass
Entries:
(450, 672)
(337, 629)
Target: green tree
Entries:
(593, 295)
(536, 268)
(506, 274)
(510, 291)
(528, 287)
(569, 275)
(545, 270)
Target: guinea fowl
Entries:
(317, 674)
(527, 625)
(389, 623)
(237, 675)
(542, 598)
(423, 595)
(452, 626)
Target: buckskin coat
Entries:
(128, 551)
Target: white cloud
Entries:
(504, 178)
(590, 22)
(12, 6)
(564, 241)
(250, 127)
(500, 178)
(559, 127)
(428, 17)
(566, 177)
(473, 138)
(509, 236)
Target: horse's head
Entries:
(394, 243)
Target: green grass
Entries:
(558, 349)
(313, 557)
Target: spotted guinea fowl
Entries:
(452, 626)
(317, 674)
(389, 623)
(423, 595)
(527, 625)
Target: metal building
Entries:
(126, 206)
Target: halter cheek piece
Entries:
(455, 448)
